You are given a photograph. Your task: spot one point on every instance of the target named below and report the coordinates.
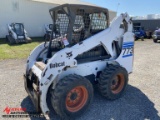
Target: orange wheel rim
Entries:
(76, 98)
(117, 83)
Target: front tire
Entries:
(113, 81)
(71, 96)
(142, 38)
(11, 40)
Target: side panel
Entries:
(85, 69)
(126, 57)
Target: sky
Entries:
(132, 7)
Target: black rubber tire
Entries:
(11, 40)
(106, 78)
(6, 38)
(44, 37)
(154, 40)
(142, 38)
(135, 38)
(63, 87)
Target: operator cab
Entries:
(18, 28)
(74, 23)
(78, 21)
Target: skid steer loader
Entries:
(86, 45)
(17, 34)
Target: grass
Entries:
(17, 51)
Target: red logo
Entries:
(8, 110)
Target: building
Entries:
(149, 22)
(112, 15)
(33, 13)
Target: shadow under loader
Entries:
(133, 105)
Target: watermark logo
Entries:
(19, 112)
(8, 110)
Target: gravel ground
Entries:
(141, 100)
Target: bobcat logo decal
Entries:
(69, 54)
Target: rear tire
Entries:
(113, 81)
(71, 96)
(6, 38)
(154, 40)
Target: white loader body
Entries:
(54, 70)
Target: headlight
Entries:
(154, 36)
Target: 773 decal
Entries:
(128, 49)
